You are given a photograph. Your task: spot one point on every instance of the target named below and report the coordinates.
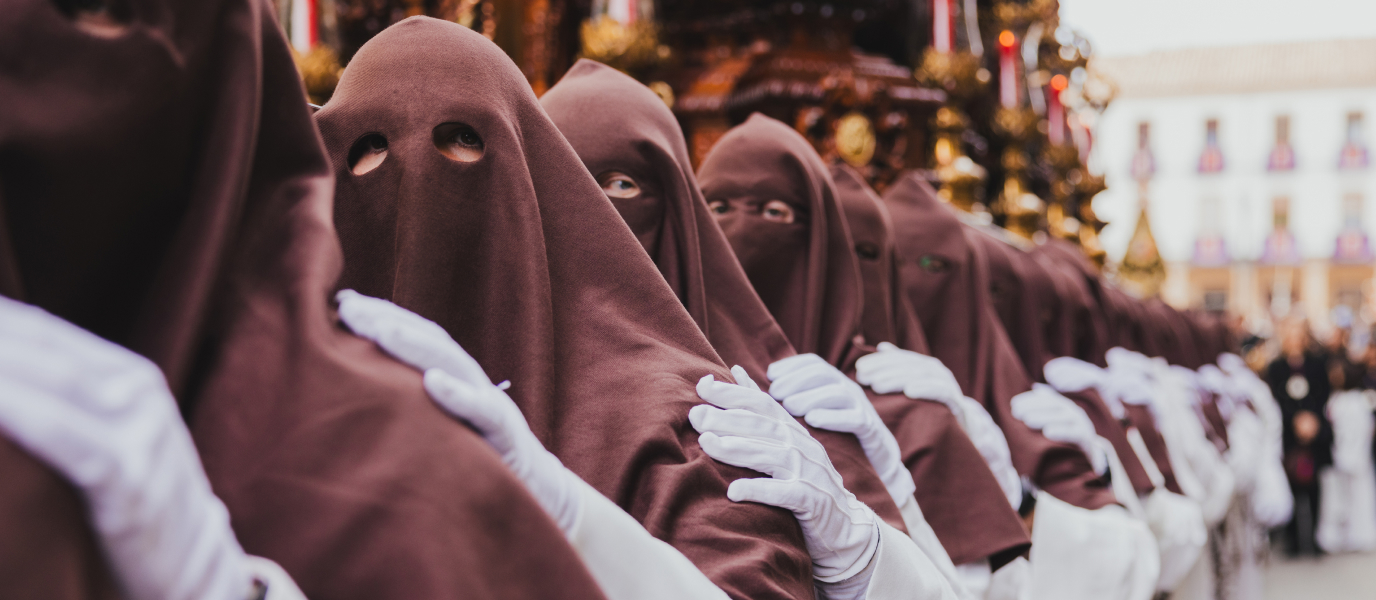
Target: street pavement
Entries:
(1340, 577)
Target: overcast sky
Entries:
(1125, 27)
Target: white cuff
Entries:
(898, 571)
(628, 562)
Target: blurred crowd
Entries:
(1326, 390)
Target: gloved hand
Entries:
(102, 416)
(458, 384)
(1178, 525)
(917, 376)
(1060, 420)
(1069, 374)
(822, 395)
(747, 428)
(1271, 502)
(993, 447)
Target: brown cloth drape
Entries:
(163, 187)
(520, 256)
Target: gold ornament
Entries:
(320, 70)
(625, 47)
(855, 139)
(956, 72)
(665, 93)
(1016, 123)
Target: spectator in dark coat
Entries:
(1300, 382)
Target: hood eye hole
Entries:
(367, 153)
(99, 18)
(867, 250)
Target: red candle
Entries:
(1055, 111)
(943, 38)
(1008, 70)
(312, 10)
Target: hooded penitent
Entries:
(968, 509)
(198, 235)
(946, 278)
(510, 245)
(819, 300)
(617, 125)
(1029, 304)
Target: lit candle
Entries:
(1055, 111)
(1008, 70)
(942, 26)
(622, 11)
(313, 10)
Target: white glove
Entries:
(822, 395)
(917, 376)
(458, 384)
(748, 429)
(993, 447)
(1272, 502)
(1060, 420)
(1069, 374)
(102, 416)
(1178, 525)
(921, 377)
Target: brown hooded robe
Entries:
(615, 123)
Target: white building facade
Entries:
(1254, 168)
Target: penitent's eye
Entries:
(719, 207)
(933, 264)
(778, 211)
(618, 185)
(459, 142)
(367, 153)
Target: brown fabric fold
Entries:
(1083, 330)
(48, 550)
(616, 124)
(1102, 327)
(946, 275)
(520, 256)
(198, 234)
(1024, 298)
(1144, 421)
(957, 492)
